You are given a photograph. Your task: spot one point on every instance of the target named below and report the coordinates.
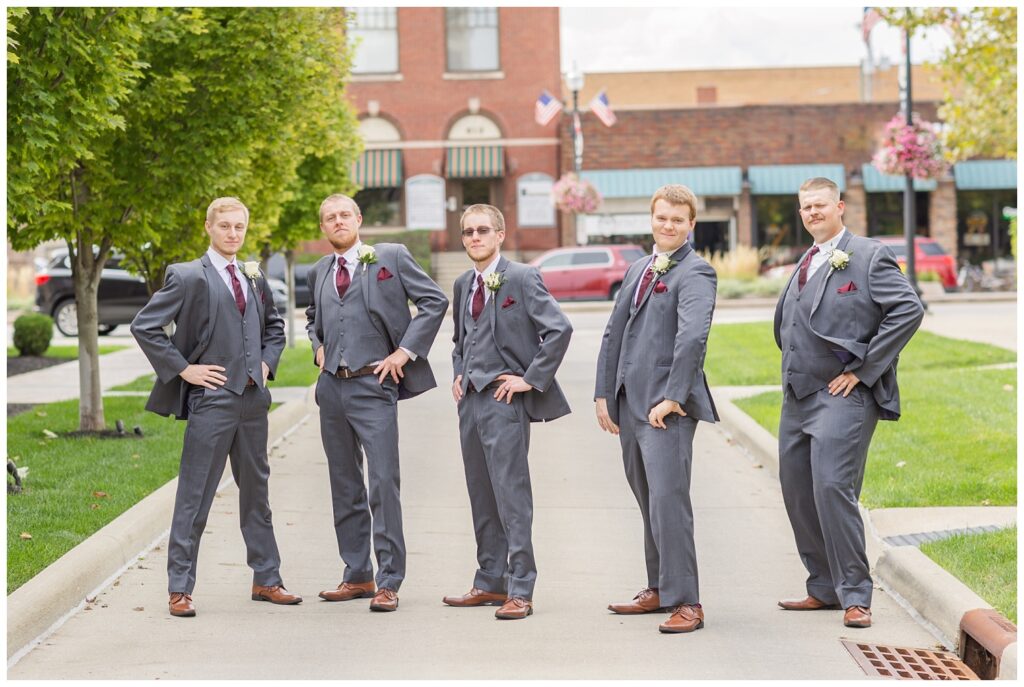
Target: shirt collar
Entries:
(489, 269)
(218, 261)
(351, 255)
(831, 244)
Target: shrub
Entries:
(33, 333)
(744, 262)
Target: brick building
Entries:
(445, 98)
(733, 137)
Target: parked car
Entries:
(929, 256)
(121, 295)
(276, 270)
(586, 272)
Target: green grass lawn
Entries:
(69, 352)
(987, 563)
(143, 383)
(745, 354)
(59, 507)
(296, 367)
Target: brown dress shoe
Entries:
(347, 591)
(646, 601)
(475, 597)
(384, 600)
(275, 594)
(857, 616)
(515, 608)
(684, 618)
(808, 604)
(180, 605)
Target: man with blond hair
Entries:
(841, 323)
(213, 372)
(651, 392)
(371, 353)
(510, 337)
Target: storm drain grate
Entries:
(901, 663)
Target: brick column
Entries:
(942, 215)
(855, 217)
(744, 218)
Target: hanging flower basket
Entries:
(575, 195)
(913, 150)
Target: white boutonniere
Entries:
(493, 281)
(366, 254)
(251, 269)
(839, 259)
(662, 264)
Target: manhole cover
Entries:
(907, 664)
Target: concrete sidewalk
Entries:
(589, 550)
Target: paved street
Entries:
(589, 551)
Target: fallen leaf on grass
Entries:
(100, 494)
(1007, 387)
(41, 413)
(135, 456)
(901, 463)
(48, 434)
(94, 506)
(986, 502)
(25, 535)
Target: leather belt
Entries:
(493, 385)
(347, 373)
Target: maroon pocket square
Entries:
(660, 288)
(508, 302)
(847, 289)
(383, 274)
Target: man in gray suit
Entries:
(213, 372)
(371, 352)
(510, 337)
(841, 323)
(651, 392)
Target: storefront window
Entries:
(779, 230)
(983, 232)
(885, 213)
(381, 207)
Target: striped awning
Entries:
(877, 182)
(473, 162)
(642, 183)
(986, 175)
(378, 169)
(785, 180)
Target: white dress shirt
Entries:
(824, 253)
(220, 263)
(478, 274)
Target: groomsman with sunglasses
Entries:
(510, 337)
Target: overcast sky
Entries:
(658, 38)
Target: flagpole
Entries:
(909, 200)
(574, 80)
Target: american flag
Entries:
(871, 17)
(602, 109)
(547, 107)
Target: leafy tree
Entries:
(69, 71)
(979, 72)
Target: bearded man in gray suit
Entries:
(371, 352)
(510, 337)
(841, 323)
(213, 372)
(651, 392)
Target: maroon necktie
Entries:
(237, 288)
(801, 281)
(478, 298)
(342, 280)
(644, 283)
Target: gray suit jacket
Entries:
(668, 333)
(187, 300)
(872, 322)
(387, 304)
(530, 331)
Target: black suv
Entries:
(121, 295)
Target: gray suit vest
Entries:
(808, 364)
(235, 341)
(479, 352)
(350, 339)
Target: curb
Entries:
(41, 605)
(962, 618)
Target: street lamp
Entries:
(909, 209)
(574, 80)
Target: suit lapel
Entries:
(843, 242)
(678, 257)
(212, 278)
(363, 271)
(493, 308)
(464, 300)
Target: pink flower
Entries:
(913, 150)
(572, 194)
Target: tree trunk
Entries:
(86, 272)
(289, 314)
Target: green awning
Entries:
(474, 162)
(378, 169)
(642, 183)
(986, 175)
(877, 182)
(785, 180)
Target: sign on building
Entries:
(425, 202)
(534, 206)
